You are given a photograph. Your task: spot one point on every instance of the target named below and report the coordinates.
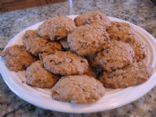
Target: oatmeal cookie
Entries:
(133, 74)
(88, 39)
(124, 32)
(65, 63)
(37, 76)
(17, 58)
(56, 28)
(116, 55)
(93, 17)
(37, 45)
(78, 89)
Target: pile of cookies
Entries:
(79, 58)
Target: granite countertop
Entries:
(140, 12)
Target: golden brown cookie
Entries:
(88, 39)
(37, 76)
(78, 89)
(123, 32)
(17, 58)
(37, 45)
(134, 74)
(65, 63)
(56, 28)
(93, 17)
(116, 54)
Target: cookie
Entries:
(93, 17)
(115, 55)
(37, 76)
(37, 45)
(17, 58)
(123, 32)
(65, 63)
(56, 28)
(78, 89)
(134, 74)
(88, 39)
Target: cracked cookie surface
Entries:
(124, 32)
(37, 45)
(17, 58)
(134, 74)
(115, 55)
(65, 63)
(93, 17)
(89, 39)
(37, 76)
(56, 28)
(78, 89)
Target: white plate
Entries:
(112, 98)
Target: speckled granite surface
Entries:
(140, 12)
